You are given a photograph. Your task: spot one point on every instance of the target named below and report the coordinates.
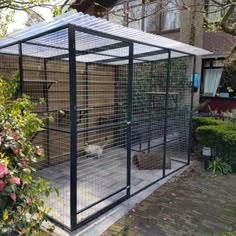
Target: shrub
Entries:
(212, 135)
(221, 137)
(220, 166)
(203, 121)
(198, 122)
(22, 210)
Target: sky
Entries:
(21, 17)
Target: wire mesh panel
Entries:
(8, 63)
(147, 125)
(46, 81)
(179, 110)
(102, 153)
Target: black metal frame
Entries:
(73, 112)
(72, 53)
(166, 110)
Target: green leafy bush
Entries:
(218, 166)
(221, 137)
(229, 234)
(22, 209)
(203, 121)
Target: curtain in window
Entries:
(171, 18)
(212, 80)
(151, 17)
(135, 14)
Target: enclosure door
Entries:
(102, 168)
(148, 113)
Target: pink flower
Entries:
(38, 153)
(2, 185)
(14, 180)
(28, 200)
(3, 170)
(15, 136)
(16, 151)
(13, 196)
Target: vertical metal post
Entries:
(129, 116)
(21, 72)
(150, 102)
(166, 110)
(191, 111)
(73, 126)
(86, 102)
(45, 93)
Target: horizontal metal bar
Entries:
(123, 39)
(156, 181)
(60, 130)
(103, 48)
(135, 56)
(89, 31)
(177, 160)
(46, 45)
(101, 127)
(94, 50)
(27, 56)
(37, 35)
(79, 53)
(99, 213)
(64, 130)
(101, 200)
(105, 209)
(17, 54)
(151, 147)
(58, 223)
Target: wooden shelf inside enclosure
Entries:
(37, 85)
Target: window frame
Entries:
(159, 29)
(211, 66)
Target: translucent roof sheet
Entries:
(146, 46)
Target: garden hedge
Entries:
(220, 136)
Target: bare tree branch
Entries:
(226, 26)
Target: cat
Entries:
(94, 149)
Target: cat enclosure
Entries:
(117, 103)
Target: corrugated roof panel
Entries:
(100, 26)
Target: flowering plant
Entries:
(22, 209)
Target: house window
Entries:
(216, 80)
(171, 17)
(152, 17)
(212, 72)
(135, 14)
(147, 17)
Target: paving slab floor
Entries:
(194, 203)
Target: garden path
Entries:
(192, 204)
